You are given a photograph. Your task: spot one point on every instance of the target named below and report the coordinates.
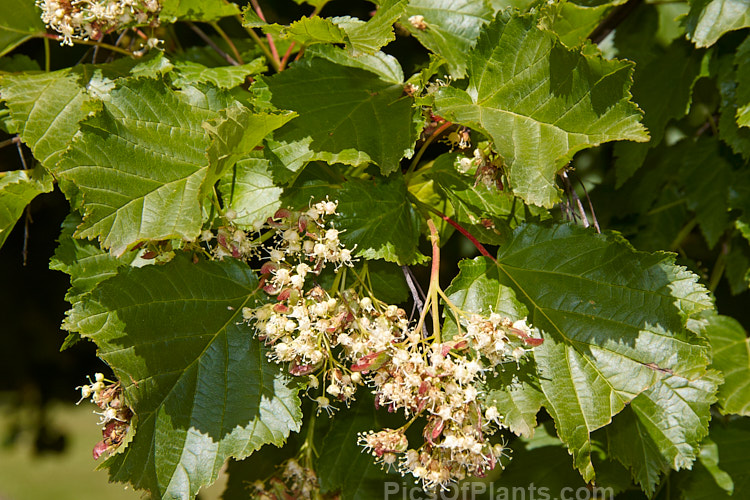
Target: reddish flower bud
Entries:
(99, 449)
(371, 361)
(300, 370)
(268, 267)
(282, 213)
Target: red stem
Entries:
(435, 240)
(285, 59)
(463, 231)
(271, 44)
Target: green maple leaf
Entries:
(17, 189)
(201, 387)
(196, 10)
(542, 104)
(346, 115)
(47, 108)
(227, 77)
(663, 89)
(24, 23)
(597, 355)
(452, 28)
(731, 355)
(139, 165)
(663, 426)
(360, 37)
(708, 20)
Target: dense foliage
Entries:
(270, 209)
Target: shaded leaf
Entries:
(707, 189)
(341, 464)
(729, 84)
(663, 89)
(257, 467)
(23, 24)
(542, 105)
(737, 269)
(731, 440)
(489, 213)
(538, 461)
(346, 115)
(742, 62)
(384, 65)
(18, 62)
(375, 215)
(731, 355)
(17, 189)
(708, 20)
(215, 396)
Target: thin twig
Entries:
(27, 221)
(719, 266)
(418, 156)
(85, 56)
(569, 188)
(228, 41)
(416, 292)
(591, 205)
(8, 142)
(612, 21)
(20, 154)
(213, 45)
(684, 233)
(46, 55)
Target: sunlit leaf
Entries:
(542, 105)
(214, 396)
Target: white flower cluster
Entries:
(491, 337)
(343, 340)
(115, 414)
(439, 381)
(92, 19)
